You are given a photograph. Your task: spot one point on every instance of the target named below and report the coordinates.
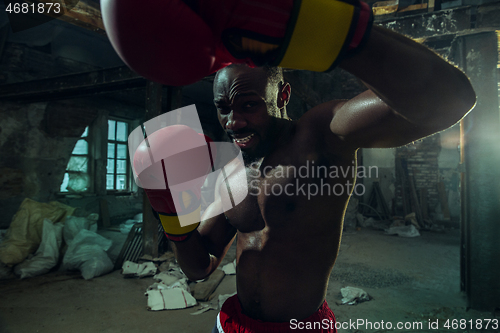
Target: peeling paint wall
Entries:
(384, 162)
(36, 139)
(32, 161)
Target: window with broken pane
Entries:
(76, 179)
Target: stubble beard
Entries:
(261, 150)
(251, 157)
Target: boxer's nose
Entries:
(235, 122)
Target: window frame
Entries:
(128, 171)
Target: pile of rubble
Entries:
(172, 289)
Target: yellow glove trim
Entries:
(256, 46)
(320, 32)
(172, 226)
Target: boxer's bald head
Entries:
(266, 81)
(249, 101)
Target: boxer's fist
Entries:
(171, 165)
(162, 40)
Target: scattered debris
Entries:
(203, 290)
(173, 270)
(127, 226)
(167, 256)
(167, 278)
(24, 233)
(412, 218)
(47, 255)
(352, 296)
(204, 308)
(398, 223)
(406, 231)
(146, 257)
(170, 277)
(164, 266)
(131, 269)
(158, 286)
(230, 269)
(369, 222)
(149, 269)
(169, 299)
(182, 284)
(171, 289)
(87, 253)
(73, 225)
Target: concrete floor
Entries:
(411, 280)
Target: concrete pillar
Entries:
(477, 54)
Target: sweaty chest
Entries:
(282, 196)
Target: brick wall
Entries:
(422, 163)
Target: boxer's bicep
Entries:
(367, 122)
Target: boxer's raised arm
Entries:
(414, 93)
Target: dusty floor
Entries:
(411, 280)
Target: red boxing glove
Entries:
(162, 40)
(175, 44)
(171, 165)
(299, 34)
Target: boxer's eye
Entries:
(249, 105)
(223, 109)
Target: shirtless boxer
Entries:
(412, 93)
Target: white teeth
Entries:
(244, 140)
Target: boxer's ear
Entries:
(284, 95)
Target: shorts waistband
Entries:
(231, 320)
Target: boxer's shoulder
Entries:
(315, 123)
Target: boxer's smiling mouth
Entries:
(244, 139)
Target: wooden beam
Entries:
(73, 85)
(85, 14)
(150, 223)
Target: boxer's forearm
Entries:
(412, 80)
(204, 250)
(194, 259)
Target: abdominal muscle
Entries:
(283, 267)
